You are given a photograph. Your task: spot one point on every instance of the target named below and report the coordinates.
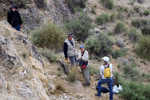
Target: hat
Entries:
(106, 59)
(70, 35)
(81, 46)
(13, 6)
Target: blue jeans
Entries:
(17, 27)
(73, 60)
(109, 82)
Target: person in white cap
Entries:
(106, 77)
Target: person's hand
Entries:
(21, 25)
(66, 58)
(80, 57)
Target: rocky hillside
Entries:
(33, 15)
(26, 75)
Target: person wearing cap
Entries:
(103, 80)
(70, 50)
(14, 18)
(83, 58)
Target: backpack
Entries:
(107, 72)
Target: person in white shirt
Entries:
(83, 58)
(103, 80)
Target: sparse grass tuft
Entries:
(73, 74)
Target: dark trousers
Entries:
(73, 60)
(109, 82)
(17, 27)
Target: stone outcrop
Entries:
(21, 67)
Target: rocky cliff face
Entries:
(55, 11)
(21, 67)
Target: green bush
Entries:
(108, 3)
(119, 53)
(93, 70)
(21, 3)
(140, 1)
(121, 9)
(143, 48)
(137, 9)
(146, 30)
(132, 2)
(120, 27)
(133, 35)
(118, 77)
(135, 91)
(76, 5)
(110, 33)
(3, 13)
(40, 3)
(99, 45)
(49, 36)
(93, 10)
(113, 17)
(102, 19)
(131, 72)
(138, 23)
(80, 26)
(50, 55)
(146, 12)
(120, 15)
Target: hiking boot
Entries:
(86, 84)
(97, 95)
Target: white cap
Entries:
(105, 59)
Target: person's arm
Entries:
(9, 18)
(20, 18)
(85, 57)
(101, 70)
(79, 55)
(111, 68)
(65, 50)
